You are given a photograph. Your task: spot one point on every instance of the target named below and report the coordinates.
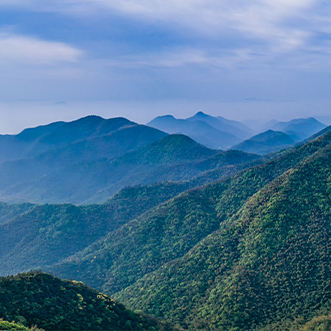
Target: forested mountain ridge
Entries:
(177, 226)
(267, 264)
(70, 146)
(40, 299)
(46, 234)
(245, 252)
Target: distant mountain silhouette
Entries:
(34, 141)
(222, 124)
(299, 129)
(266, 142)
(210, 131)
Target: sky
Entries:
(243, 60)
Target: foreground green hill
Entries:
(9, 326)
(269, 261)
(53, 304)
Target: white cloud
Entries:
(262, 29)
(262, 20)
(22, 49)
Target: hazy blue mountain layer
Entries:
(93, 170)
(205, 129)
(299, 129)
(224, 125)
(265, 143)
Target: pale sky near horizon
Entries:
(261, 59)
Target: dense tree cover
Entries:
(320, 323)
(144, 244)
(9, 212)
(177, 226)
(4, 326)
(40, 299)
(47, 234)
(268, 263)
(225, 256)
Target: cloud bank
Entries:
(22, 49)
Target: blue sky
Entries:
(141, 58)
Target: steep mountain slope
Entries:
(49, 233)
(266, 142)
(268, 262)
(53, 304)
(177, 226)
(198, 130)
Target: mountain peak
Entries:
(200, 113)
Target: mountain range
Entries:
(90, 159)
(216, 133)
(204, 239)
(220, 133)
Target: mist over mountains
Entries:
(200, 238)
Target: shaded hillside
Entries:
(53, 304)
(33, 141)
(49, 233)
(268, 263)
(177, 226)
(265, 143)
(198, 130)
(174, 157)
(9, 212)
(17, 177)
(197, 172)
